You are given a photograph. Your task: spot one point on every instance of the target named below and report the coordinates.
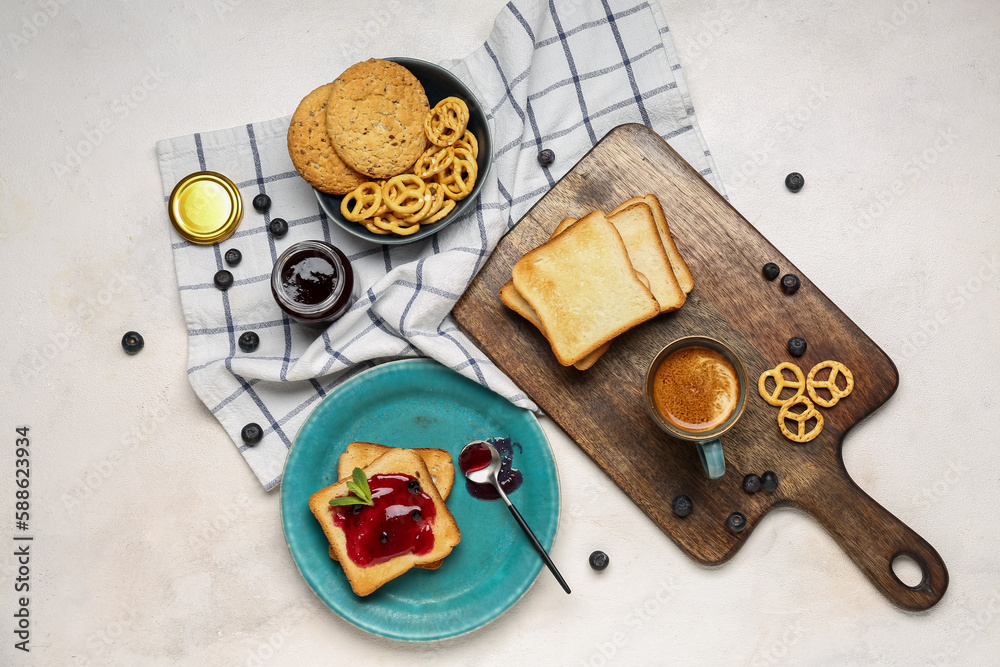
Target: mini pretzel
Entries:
(801, 417)
(780, 383)
(391, 224)
(830, 384)
(367, 199)
(446, 122)
(460, 176)
(404, 194)
(470, 139)
(370, 226)
(433, 160)
(449, 204)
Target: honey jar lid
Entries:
(205, 207)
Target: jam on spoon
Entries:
(477, 456)
(400, 522)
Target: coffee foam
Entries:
(696, 389)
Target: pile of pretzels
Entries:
(802, 385)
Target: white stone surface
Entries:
(154, 543)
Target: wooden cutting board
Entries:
(602, 408)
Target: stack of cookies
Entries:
(366, 135)
(597, 277)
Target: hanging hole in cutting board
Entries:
(908, 571)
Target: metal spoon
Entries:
(488, 475)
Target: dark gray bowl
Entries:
(438, 83)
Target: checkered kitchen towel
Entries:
(556, 74)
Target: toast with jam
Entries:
(406, 526)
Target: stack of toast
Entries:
(597, 277)
(434, 473)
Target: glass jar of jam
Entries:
(313, 282)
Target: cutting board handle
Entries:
(873, 538)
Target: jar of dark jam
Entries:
(313, 282)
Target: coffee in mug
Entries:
(696, 389)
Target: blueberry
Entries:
(278, 227)
(771, 271)
(769, 481)
(132, 342)
(413, 486)
(790, 283)
(249, 341)
(223, 280)
(751, 483)
(383, 538)
(233, 257)
(262, 203)
(252, 433)
(546, 157)
(356, 509)
(794, 181)
(415, 515)
(736, 522)
(682, 506)
(796, 346)
(599, 561)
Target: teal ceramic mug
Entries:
(696, 390)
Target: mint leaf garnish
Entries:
(358, 485)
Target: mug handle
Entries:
(712, 459)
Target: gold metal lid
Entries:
(205, 207)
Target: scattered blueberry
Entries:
(790, 283)
(599, 561)
(682, 506)
(794, 181)
(415, 515)
(796, 346)
(223, 279)
(262, 203)
(233, 257)
(383, 538)
(751, 483)
(413, 486)
(252, 433)
(546, 157)
(769, 481)
(249, 341)
(356, 509)
(736, 522)
(132, 342)
(278, 227)
(771, 271)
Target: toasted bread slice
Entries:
(638, 230)
(513, 300)
(438, 462)
(677, 263)
(583, 288)
(366, 580)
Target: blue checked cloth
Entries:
(552, 74)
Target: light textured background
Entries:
(155, 545)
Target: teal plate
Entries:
(420, 403)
